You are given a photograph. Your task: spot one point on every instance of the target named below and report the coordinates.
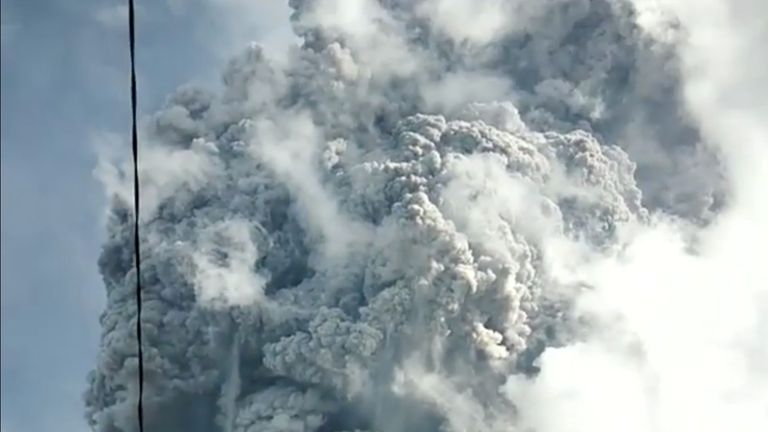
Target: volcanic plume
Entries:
(441, 216)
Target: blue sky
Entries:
(65, 81)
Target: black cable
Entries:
(137, 254)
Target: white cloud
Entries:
(474, 21)
(289, 145)
(162, 171)
(456, 90)
(224, 257)
(680, 341)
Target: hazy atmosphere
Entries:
(387, 216)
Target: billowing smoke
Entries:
(453, 216)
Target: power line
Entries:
(137, 253)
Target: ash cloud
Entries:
(414, 222)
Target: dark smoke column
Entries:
(338, 245)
